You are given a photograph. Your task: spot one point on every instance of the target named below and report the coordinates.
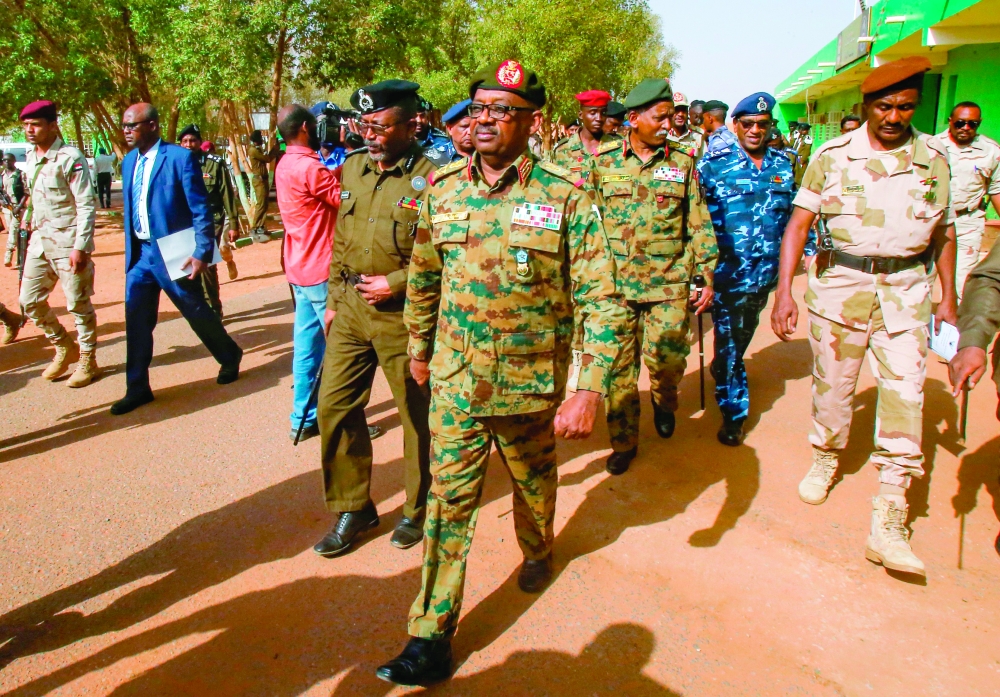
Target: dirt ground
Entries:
(167, 552)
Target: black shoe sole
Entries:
(121, 411)
(628, 463)
(228, 378)
(329, 555)
(431, 680)
(397, 545)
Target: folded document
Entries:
(177, 247)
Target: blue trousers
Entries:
(309, 344)
(734, 316)
(143, 283)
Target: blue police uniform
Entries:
(438, 148)
(336, 159)
(722, 138)
(750, 208)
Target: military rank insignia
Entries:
(521, 257)
(777, 180)
(668, 174)
(535, 215)
(930, 195)
(408, 203)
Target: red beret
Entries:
(598, 98)
(206, 145)
(891, 74)
(40, 110)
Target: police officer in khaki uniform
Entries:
(61, 216)
(259, 180)
(383, 187)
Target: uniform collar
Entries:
(519, 169)
(627, 148)
(56, 144)
(945, 138)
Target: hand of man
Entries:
(327, 321)
(374, 289)
(78, 261)
(234, 235)
(575, 417)
(784, 316)
(197, 267)
(701, 299)
(947, 311)
(420, 371)
(968, 365)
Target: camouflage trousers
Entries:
(899, 361)
(40, 277)
(969, 231)
(658, 333)
(460, 449)
(734, 319)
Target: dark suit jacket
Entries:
(177, 200)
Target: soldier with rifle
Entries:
(12, 199)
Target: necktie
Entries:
(137, 194)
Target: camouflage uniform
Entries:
(803, 150)
(879, 204)
(572, 154)
(975, 176)
(494, 278)
(661, 235)
(691, 139)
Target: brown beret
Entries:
(40, 110)
(908, 70)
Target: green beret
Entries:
(509, 76)
(652, 89)
(715, 105)
(616, 110)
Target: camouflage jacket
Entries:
(494, 278)
(879, 204)
(656, 220)
(691, 139)
(574, 156)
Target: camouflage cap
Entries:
(652, 89)
(509, 76)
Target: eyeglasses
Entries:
(497, 112)
(376, 128)
(962, 123)
(133, 126)
(748, 124)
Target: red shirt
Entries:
(308, 198)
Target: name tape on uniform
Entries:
(535, 215)
(605, 178)
(668, 174)
(854, 190)
(449, 217)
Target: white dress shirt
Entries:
(150, 158)
(104, 164)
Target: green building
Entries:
(960, 37)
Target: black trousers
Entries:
(104, 189)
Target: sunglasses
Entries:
(962, 123)
(748, 124)
(497, 112)
(376, 128)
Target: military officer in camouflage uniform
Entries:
(12, 182)
(61, 215)
(882, 197)
(614, 118)
(576, 153)
(383, 190)
(222, 201)
(662, 238)
(681, 131)
(506, 247)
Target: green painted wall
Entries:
(975, 73)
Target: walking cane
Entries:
(699, 283)
(305, 409)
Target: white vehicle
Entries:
(19, 150)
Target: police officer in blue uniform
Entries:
(436, 143)
(748, 189)
(459, 125)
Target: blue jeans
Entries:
(309, 344)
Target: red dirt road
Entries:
(166, 552)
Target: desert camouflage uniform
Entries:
(880, 204)
(803, 151)
(975, 175)
(691, 139)
(661, 235)
(574, 156)
(495, 299)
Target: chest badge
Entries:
(344, 195)
(777, 180)
(668, 174)
(521, 257)
(418, 183)
(410, 204)
(853, 190)
(535, 215)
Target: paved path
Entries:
(166, 552)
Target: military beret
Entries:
(803, 126)
(598, 98)
(902, 74)
(713, 104)
(191, 130)
(458, 111)
(756, 103)
(509, 76)
(773, 133)
(206, 146)
(423, 104)
(43, 109)
(792, 124)
(697, 102)
(382, 95)
(680, 100)
(615, 110)
(652, 89)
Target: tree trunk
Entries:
(109, 127)
(279, 62)
(175, 114)
(78, 132)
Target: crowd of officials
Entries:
(506, 295)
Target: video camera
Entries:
(329, 118)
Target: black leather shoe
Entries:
(618, 462)
(130, 402)
(349, 526)
(535, 574)
(731, 432)
(230, 372)
(408, 532)
(422, 662)
(307, 433)
(374, 432)
(664, 422)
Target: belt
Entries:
(887, 265)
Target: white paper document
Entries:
(944, 344)
(175, 250)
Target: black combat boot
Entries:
(663, 420)
(731, 431)
(619, 461)
(422, 662)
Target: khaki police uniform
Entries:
(13, 185)
(259, 179)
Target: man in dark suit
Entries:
(164, 193)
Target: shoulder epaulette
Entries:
(936, 145)
(683, 148)
(609, 146)
(559, 171)
(560, 143)
(449, 169)
(356, 151)
(215, 158)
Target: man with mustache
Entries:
(507, 249)
(681, 131)
(459, 125)
(661, 235)
(882, 197)
(383, 188)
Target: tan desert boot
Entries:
(86, 370)
(227, 256)
(67, 353)
(11, 325)
(889, 540)
(813, 489)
